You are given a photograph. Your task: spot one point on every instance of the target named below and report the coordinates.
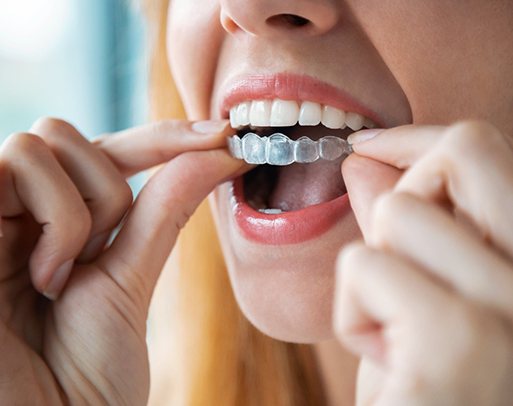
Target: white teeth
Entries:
(310, 113)
(242, 113)
(260, 113)
(271, 211)
(287, 113)
(354, 121)
(284, 113)
(333, 118)
(233, 117)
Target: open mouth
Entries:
(276, 189)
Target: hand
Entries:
(427, 301)
(61, 196)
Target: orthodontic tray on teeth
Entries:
(278, 149)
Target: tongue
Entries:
(302, 185)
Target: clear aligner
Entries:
(278, 149)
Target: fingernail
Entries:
(209, 126)
(94, 247)
(364, 135)
(58, 280)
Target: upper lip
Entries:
(289, 86)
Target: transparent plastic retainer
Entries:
(278, 149)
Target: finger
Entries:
(365, 180)
(53, 200)
(399, 146)
(378, 293)
(10, 203)
(389, 310)
(459, 167)
(473, 168)
(162, 208)
(429, 236)
(18, 230)
(104, 190)
(143, 147)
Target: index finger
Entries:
(139, 148)
(138, 253)
(399, 146)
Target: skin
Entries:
(415, 78)
(56, 351)
(432, 201)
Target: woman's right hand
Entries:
(61, 196)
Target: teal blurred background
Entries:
(81, 60)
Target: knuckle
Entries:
(100, 138)
(470, 135)
(133, 283)
(73, 229)
(120, 198)
(182, 217)
(82, 220)
(164, 130)
(49, 125)
(22, 143)
(79, 225)
(158, 128)
(159, 132)
(385, 205)
(351, 257)
(125, 194)
(52, 129)
(167, 126)
(387, 208)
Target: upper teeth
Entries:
(285, 113)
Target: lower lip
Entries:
(289, 227)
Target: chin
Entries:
(285, 309)
(285, 290)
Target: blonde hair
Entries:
(219, 357)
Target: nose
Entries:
(269, 17)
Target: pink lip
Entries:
(301, 225)
(288, 86)
(286, 228)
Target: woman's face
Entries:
(397, 62)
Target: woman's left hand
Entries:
(427, 300)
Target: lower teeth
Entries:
(271, 211)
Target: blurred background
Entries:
(80, 60)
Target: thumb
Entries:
(365, 180)
(141, 248)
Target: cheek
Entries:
(439, 53)
(194, 37)
(416, 60)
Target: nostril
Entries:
(288, 20)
